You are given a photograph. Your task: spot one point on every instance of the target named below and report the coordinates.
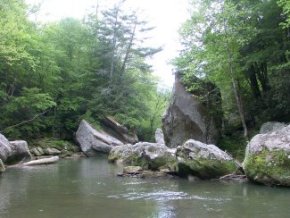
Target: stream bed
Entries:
(90, 188)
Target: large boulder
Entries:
(19, 152)
(197, 159)
(187, 118)
(92, 140)
(271, 127)
(144, 154)
(5, 148)
(267, 158)
(118, 131)
(13, 152)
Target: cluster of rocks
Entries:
(12, 152)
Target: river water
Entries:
(89, 188)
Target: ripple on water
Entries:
(164, 196)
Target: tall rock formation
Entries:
(188, 118)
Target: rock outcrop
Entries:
(204, 161)
(19, 152)
(271, 127)
(146, 155)
(92, 140)
(13, 152)
(5, 148)
(159, 136)
(267, 158)
(187, 118)
(118, 131)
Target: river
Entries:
(89, 188)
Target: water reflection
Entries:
(89, 188)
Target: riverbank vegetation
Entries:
(52, 75)
(243, 48)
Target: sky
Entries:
(165, 15)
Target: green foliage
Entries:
(53, 75)
(243, 48)
(270, 167)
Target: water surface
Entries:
(89, 188)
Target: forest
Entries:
(243, 48)
(55, 74)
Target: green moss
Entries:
(268, 167)
(54, 143)
(206, 169)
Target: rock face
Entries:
(267, 158)
(13, 152)
(92, 141)
(19, 152)
(204, 161)
(51, 151)
(271, 127)
(186, 118)
(159, 136)
(118, 131)
(146, 155)
(5, 148)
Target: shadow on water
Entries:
(90, 188)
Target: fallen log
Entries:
(48, 160)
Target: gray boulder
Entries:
(5, 148)
(144, 154)
(13, 152)
(271, 127)
(195, 158)
(19, 152)
(267, 158)
(37, 151)
(159, 136)
(187, 118)
(118, 131)
(92, 140)
(51, 151)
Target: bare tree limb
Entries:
(25, 121)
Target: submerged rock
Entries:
(187, 118)
(267, 158)
(92, 140)
(204, 161)
(147, 155)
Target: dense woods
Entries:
(53, 75)
(243, 48)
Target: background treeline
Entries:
(53, 75)
(242, 46)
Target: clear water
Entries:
(89, 188)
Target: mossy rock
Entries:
(268, 167)
(146, 155)
(206, 169)
(204, 161)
